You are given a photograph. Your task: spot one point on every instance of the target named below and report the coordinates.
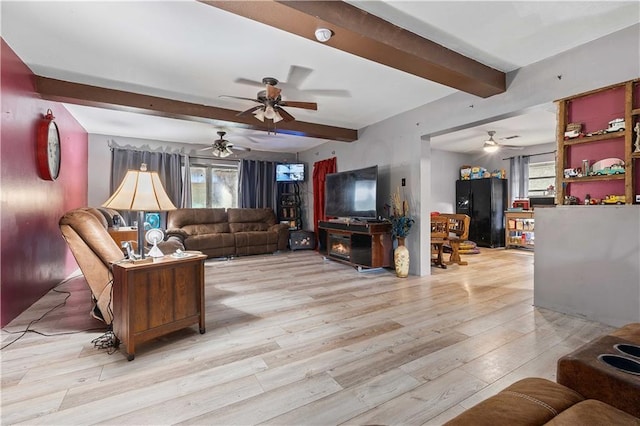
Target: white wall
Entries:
(588, 262)
(445, 171)
(401, 144)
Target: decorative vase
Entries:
(401, 259)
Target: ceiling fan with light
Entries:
(490, 145)
(271, 103)
(222, 147)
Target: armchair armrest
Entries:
(182, 235)
(282, 229)
(279, 227)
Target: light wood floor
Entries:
(293, 339)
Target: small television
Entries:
(290, 172)
(352, 193)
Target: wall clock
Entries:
(48, 148)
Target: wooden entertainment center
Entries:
(360, 244)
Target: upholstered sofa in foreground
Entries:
(590, 394)
(219, 232)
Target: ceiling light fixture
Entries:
(269, 112)
(490, 145)
(323, 34)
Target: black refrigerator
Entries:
(484, 200)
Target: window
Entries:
(541, 176)
(213, 184)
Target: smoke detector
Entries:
(323, 34)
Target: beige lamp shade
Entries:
(140, 190)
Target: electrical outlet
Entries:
(404, 182)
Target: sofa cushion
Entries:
(260, 215)
(257, 242)
(530, 401)
(256, 238)
(182, 218)
(248, 227)
(210, 241)
(207, 228)
(593, 412)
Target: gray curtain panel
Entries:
(167, 165)
(185, 203)
(519, 177)
(258, 187)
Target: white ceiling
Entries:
(193, 52)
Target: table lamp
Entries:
(140, 191)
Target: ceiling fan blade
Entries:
(297, 75)
(250, 110)
(304, 105)
(284, 114)
(272, 92)
(205, 149)
(249, 82)
(239, 97)
(328, 92)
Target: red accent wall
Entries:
(34, 256)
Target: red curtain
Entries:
(320, 170)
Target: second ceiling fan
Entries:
(491, 145)
(271, 103)
(222, 147)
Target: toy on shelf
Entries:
(637, 142)
(499, 173)
(475, 172)
(615, 125)
(479, 173)
(569, 173)
(607, 166)
(465, 172)
(573, 130)
(614, 199)
(570, 200)
(615, 169)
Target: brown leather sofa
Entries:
(85, 231)
(586, 396)
(217, 232)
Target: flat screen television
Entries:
(290, 172)
(352, 193)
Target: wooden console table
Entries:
(154, 299)
(367, 245)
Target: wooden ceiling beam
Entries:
(83, 94)
(365, 35)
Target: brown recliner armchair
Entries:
(85, 231)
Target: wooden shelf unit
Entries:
(290, 209)
(618, 101)
(519, 229)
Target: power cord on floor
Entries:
(106, 341)
(29, 330)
